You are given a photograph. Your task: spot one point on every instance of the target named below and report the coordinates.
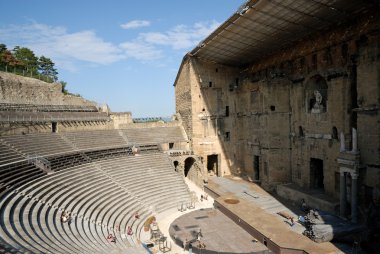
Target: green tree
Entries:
(46, 67)
(27, 58)
(3, 47)
(7, 59)
(63, 83)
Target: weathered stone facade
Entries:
(278, 120)
(18, 89)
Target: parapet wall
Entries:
(23, 90)
(149, 125)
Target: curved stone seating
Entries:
(18, 173)
(41, 144)
(102, 197)
(86, 140)
(154, 135)
(47, 107)
(131, 172)
(8, 156)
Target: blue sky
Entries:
(124, 53)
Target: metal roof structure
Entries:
(261, 27)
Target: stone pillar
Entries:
(354, 141)
(354, 197)
(342, 142)
(343, 201)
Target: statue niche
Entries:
(318, 106)
(316, 93)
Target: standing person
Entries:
(129, 230)
(184, 244)
(190, 248)
(291, 221)
(200, 234)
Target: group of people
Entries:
(204, 197)
(111, 238)
(198, 240)
(65, 217)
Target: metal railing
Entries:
(40, 162)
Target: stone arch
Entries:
(316, 94)
(189, 162)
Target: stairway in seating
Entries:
(75, 148)
(117, 183)
(123, 136)
(24, 155)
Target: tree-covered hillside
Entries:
(23, 61)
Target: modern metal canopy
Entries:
(261, 27)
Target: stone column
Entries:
(354, 140)
(342, 142)
(343, 201)
(354, 197)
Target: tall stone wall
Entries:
(279, 118)
(184, 82)
(121, 119)
(368, 108)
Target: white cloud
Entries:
(141, 51)
(135, 24)
(60, 45)
(181, 36)
(68, 49)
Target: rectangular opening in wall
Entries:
(256, 168)
(171, 145)
(212, 164)
(316, 174)
(54, 127)
(227, 136)
(337, 181)
(227, 111)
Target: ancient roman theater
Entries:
(274, 147)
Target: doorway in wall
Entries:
(175, 163)
(212, 164)
(54, 127)
(316, 174)
(188, 165)
(256, 168)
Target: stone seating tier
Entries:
(47, 108)
(46, 117)
(102, 196)
(154, 135)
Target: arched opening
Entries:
(175, 163)
(188, 165)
